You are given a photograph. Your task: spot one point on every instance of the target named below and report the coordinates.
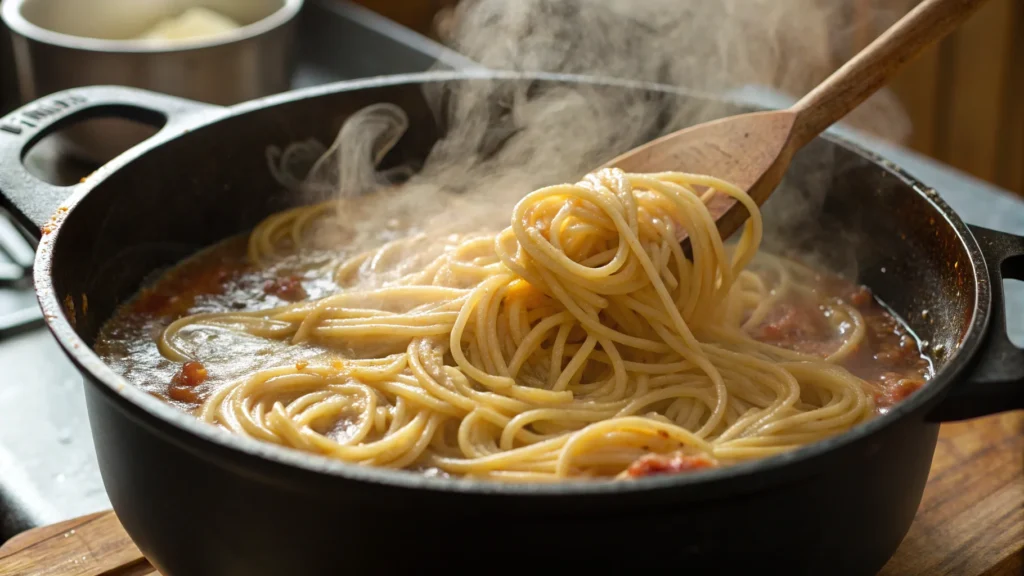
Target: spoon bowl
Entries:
(753, 151)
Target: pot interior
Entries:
(838, 208)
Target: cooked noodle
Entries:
(571, 344)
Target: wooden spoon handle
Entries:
(869, 70)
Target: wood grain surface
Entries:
(970, 523)
(971, 520)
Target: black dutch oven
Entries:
(199, 501)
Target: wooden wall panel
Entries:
(1010, 169)
(979, 64)
(965, 97)
(919, 89)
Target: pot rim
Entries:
(10, 13)
(231, 450)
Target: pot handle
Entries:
(996, 381)
(34, 201)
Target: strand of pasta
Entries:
(570, 344)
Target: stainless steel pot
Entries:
(61, 44)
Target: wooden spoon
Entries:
(754, 150)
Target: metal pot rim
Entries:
(10, 13)
(287, 465)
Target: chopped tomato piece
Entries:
(192, 374)
(184, 382)
(674, 463)
(287, 288)
(898, 392)
(860, 297)
(791, 325)
(183, 393)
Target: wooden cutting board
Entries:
(971, 521)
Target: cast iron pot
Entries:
(200, 501)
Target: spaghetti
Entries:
(578, 342)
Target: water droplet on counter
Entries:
(64, 436)
(59, 478)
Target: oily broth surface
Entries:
(222, 279)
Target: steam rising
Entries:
(503, 138)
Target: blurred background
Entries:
(964, 99)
